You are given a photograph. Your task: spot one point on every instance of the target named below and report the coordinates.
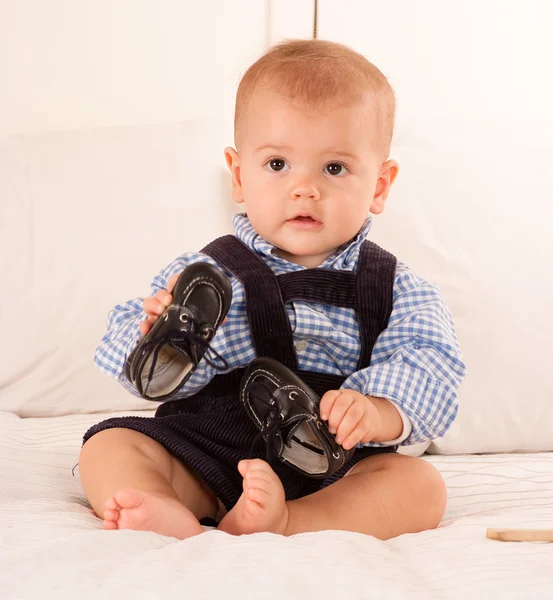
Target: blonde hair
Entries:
(315, 73)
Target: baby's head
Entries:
(313, 129)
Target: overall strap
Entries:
(269, 324)
(326, 286)
(375, 271)
(368, 290)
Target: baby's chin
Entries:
(303, 254)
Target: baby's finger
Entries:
(163, 297)
(153, 307)
(351, 420)
(327, 402)
(146, 325)
(354, 437)
(339, 409)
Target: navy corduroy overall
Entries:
(210, 431)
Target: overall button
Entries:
(301, 345)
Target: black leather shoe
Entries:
(165, 358)
(286, 411)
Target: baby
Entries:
(313, 130)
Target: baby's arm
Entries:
(128, 321)
(416, 362)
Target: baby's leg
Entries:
(132, 482)
(384, 496)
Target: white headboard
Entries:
(82, 65)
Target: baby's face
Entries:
(308, 179)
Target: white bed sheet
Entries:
(52, 546)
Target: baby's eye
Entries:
(277, 164)
(337, 169)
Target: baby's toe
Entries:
(111, 515)
(111, 504)
(129, 498)
(244, 466)
(259, 482)
(110, 525)
(256, 466)
(258, 495)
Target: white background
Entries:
(72, 64)
(471, 209)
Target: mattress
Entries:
(52, 545)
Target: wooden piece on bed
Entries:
(521, 535)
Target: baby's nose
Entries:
(305, 189)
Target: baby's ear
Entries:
(388, 174)
(233, 162)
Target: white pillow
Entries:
(472, 211)
(88, 218)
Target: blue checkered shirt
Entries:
(416, 362)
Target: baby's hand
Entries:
(351, 416)
(155, 305)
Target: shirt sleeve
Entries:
(416, 361)
(123, 332)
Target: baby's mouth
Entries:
(305, 221)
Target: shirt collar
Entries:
(344, 256)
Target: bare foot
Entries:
(262, 505)
(145, 511)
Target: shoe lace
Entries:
(271, 424)
(183, 338)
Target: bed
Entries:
(90, 215)
(497, 459)
(52, 544)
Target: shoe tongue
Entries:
(288, 431)
(179, 347)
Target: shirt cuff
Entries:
(407, 427)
